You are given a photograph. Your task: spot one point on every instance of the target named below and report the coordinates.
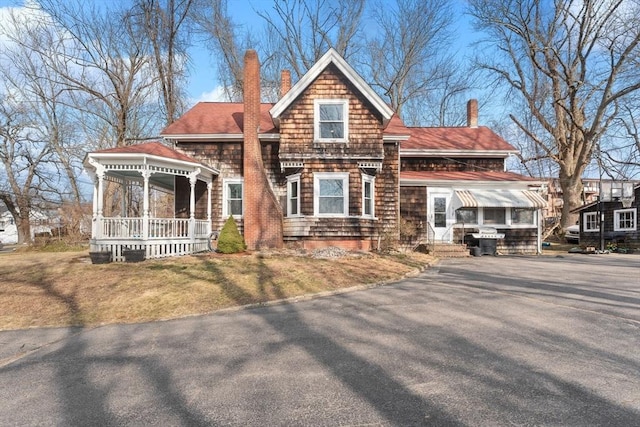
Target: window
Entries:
(232, 198)
(293, 195)
(522, 216)
(624, 220)
(494, 216)
(331, 120)
(367, 195)
(331, 194)
(590, 221)
(467, 215)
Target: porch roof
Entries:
(127, 162)
(498, 198)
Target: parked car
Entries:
(572, 234)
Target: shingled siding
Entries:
(353, 226)
(518, 241)
(413, 210)
(365, 143)
(297, 123)
(420, 164)
(227, 158)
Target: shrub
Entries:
(230, 240)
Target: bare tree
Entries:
(297, 34)
(26, 159)
(225, 42)
(306, 29)
(574, 63)
(408, 55)
(40, 149)
(101, 56)
(165, 24)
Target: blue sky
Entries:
(203, 72)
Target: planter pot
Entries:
(133, 255)
(100, 257)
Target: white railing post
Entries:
(209, 187)
(145, 205)
(193, 179)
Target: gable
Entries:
(332, 58)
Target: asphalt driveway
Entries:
(486, 341)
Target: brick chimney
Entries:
(285, 82)
(472, 113)
(262, 220)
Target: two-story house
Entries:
(329, 164)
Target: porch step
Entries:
(450, 250)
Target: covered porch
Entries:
(140, 203)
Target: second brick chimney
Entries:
(262, 217)
(285, 82)
(472, 113)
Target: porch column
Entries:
(123, 199)
(145, 205)
(209, 187)
(98, 199)
(94, 215)
(193, 179)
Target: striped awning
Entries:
(498, 198)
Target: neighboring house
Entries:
(328, 164)
(40, 224)
(619, 213)
(590, 193)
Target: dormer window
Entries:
(331, 120)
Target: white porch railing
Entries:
(166, 236)
(159, 228)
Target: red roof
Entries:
(151, 148)
(215, 118)
(455, 138)
(396, 127)
(226, 118)
(463, 176)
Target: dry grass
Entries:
(61, 289)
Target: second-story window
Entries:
(331, 120)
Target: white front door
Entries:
(439, 215)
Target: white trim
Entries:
(225, 196)
(456, 153)
(317, 177)
(291, 179)
(368, 179)
(395, 138)
(585, 222)
(317, 103)
(225, 137)
(331, 56)
(616, 219)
